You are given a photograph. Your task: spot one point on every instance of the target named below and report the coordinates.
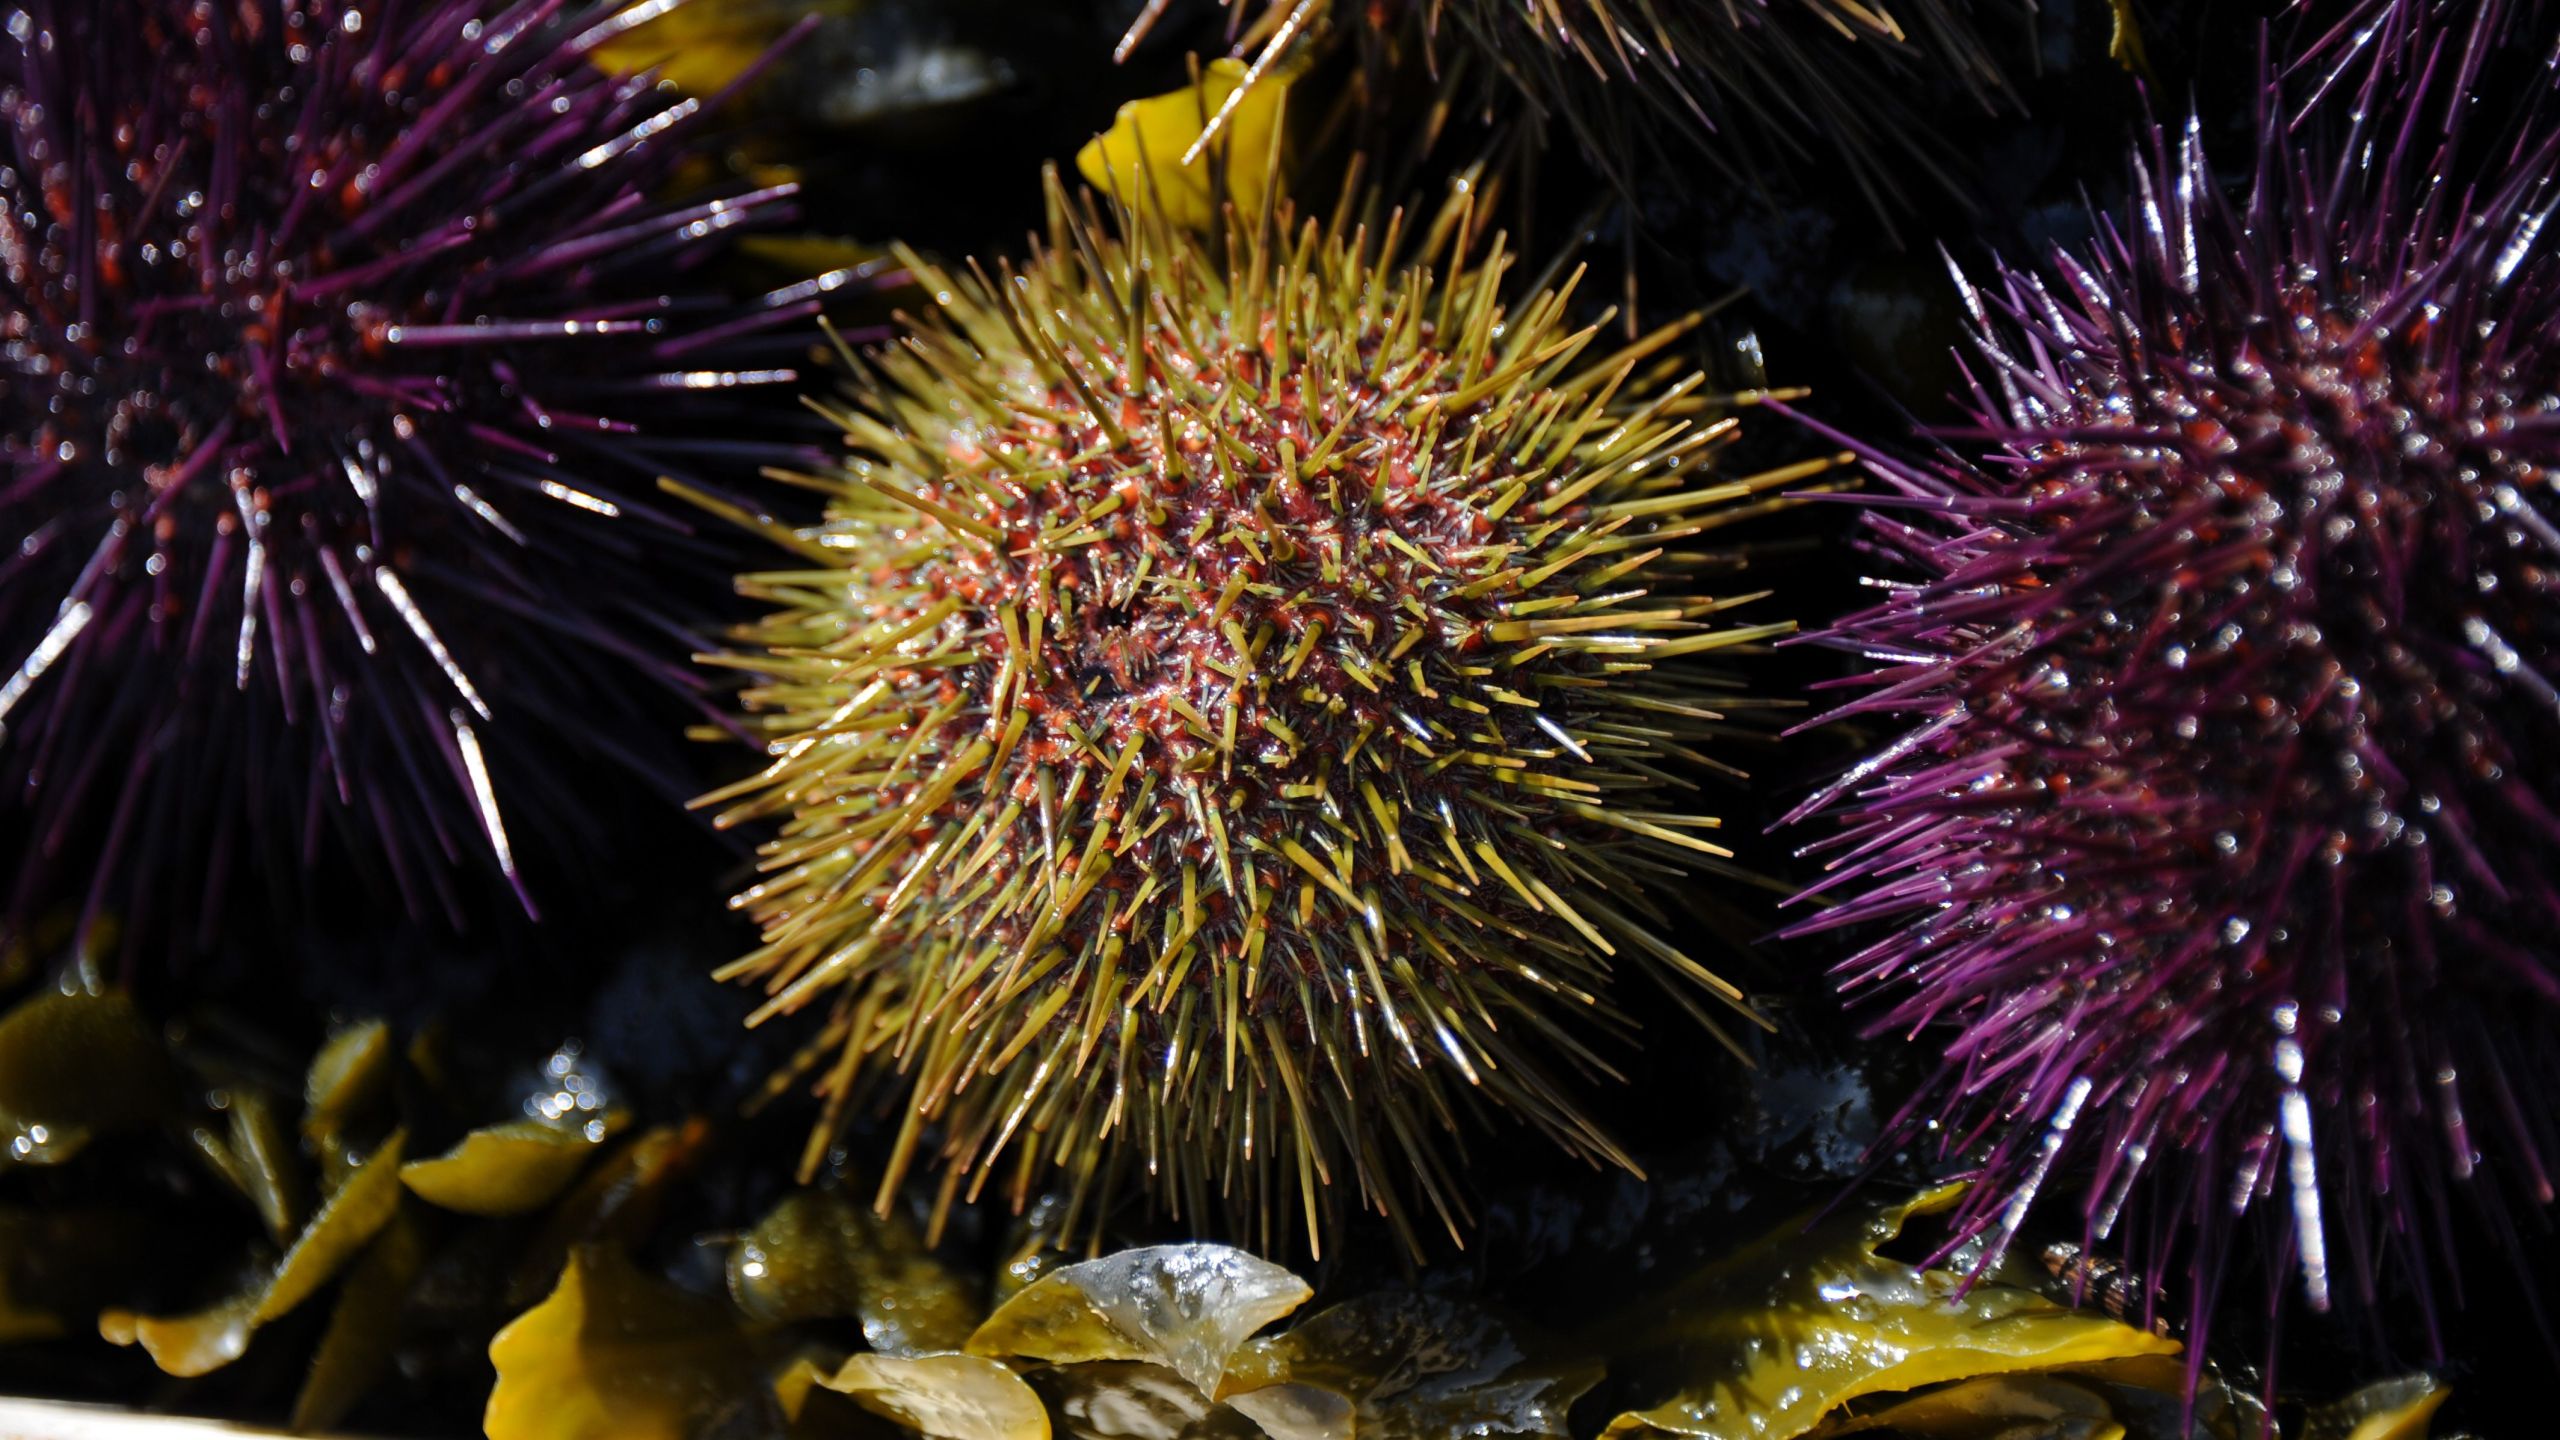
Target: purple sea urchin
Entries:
(2216, 840)
(339, 371)
(1222, 725)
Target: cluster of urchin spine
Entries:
(1768, 87)
(1227, 721)
(345, 344)
(2215, 843)
(1759, 89)
(2390, 51)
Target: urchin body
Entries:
(2217, 842)
(1230, 740)
(340, 365)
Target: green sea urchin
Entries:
(1220, 726)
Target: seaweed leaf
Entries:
(509, 1169)
(944, 1397)
(614, 1354)
(1405, 1366)
(1765, 1343)
(1140, 158)
(1185, 1307)
(348, 1077)
(818, 1255)
(208, 1339)
(356, 1348)
(74, 1066)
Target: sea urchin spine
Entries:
(1218, 727)
(340, 364)
(1760, 86)
(2217, 845)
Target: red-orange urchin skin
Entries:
(1236, 763)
